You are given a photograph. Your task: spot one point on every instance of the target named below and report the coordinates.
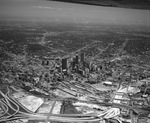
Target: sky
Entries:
(58, 11)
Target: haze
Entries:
(43, 10)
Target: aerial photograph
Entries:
(74, 61)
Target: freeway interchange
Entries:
(13, 109)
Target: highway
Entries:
(14, 110)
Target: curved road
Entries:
(14, 110)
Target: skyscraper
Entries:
(73, 64)
(82, 55)
(77, 59)
(64, 64)
(47, 62)
(43, 62)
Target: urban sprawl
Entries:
(76, 89)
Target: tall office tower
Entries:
(47, 63)
(82, 55)
(64, 64)
(77, 59)
(73, 64)
(43, 62)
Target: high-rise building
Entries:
(82, 55)
(43, 62)
(47, 62)
(77, 59)
(73, 64)
(64, 64)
